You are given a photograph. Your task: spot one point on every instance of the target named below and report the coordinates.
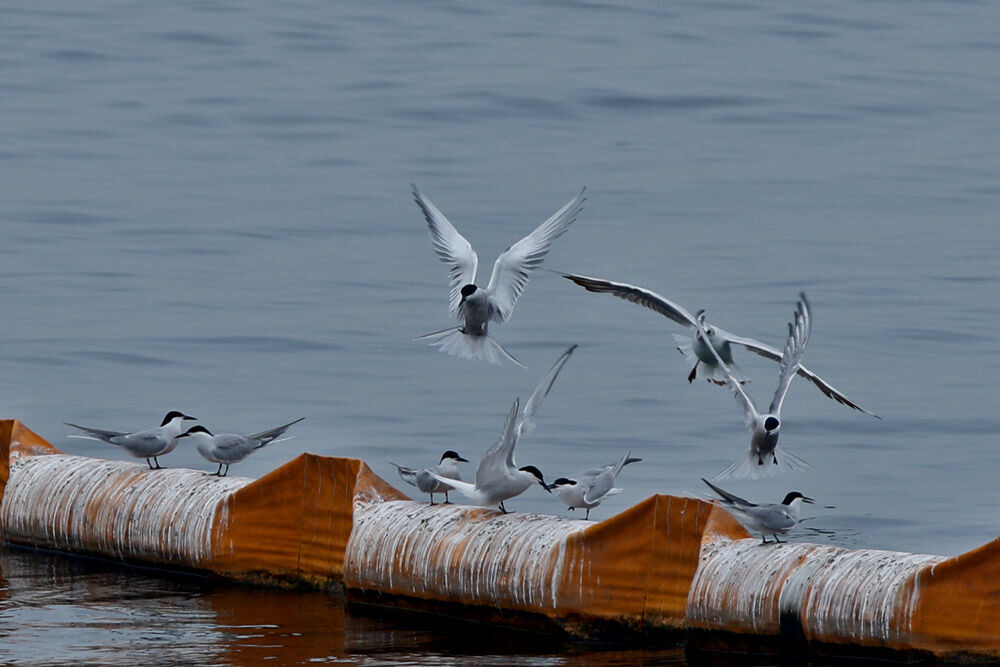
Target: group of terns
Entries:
(708, 348)
(498, 477)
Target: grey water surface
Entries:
(205, 207)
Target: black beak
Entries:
(808, 500)
(462, 460)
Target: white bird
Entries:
(477, 306)
(498, 476)
(587, 489)
(425, 482)
(766, 519)
(228, 448)
(147, 444)
(694, 347)
(764, 428)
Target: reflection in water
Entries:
(57, 608)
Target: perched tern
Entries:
(587, 489)
(142, 444)
(766, 519)
(228, 448)
(423, 480)
(764, 428)
(694, 347)
(498, 476)
(477, 306)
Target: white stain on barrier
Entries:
(825, 592)
(113, 508)
(460, 553)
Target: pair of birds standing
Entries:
(224, 448)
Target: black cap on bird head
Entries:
(562, 481)
(538, 475)
(452, 454)
(771, 424)
(792, 495)
(172, 415)
(195, 429)
(468, 291)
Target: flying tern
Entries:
(228, 448)
(424, 480)
(498, 476)
(765, 427)
(587, 489)
(147, 444)
(477, 306)
(695, 349)
(766, 519)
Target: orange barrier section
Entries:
(632, 570)
(668, 564)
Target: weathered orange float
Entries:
(668, 565)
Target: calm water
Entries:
(206, 208)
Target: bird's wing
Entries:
(498, 458)
(527, 423)
(729, 497)
(795, 346)
(97, 433)
(267, 436)
(771, 353)
(409, 475)
(750, 413)
(771, 517)
(600, 485)
(639, 295)
(451, 248)
(514, 265)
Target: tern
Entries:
(147, 444)
(477, 306)
(766, 519)
(228, 448)
(423, 480)
(694, 347)
(498, 476)
(587, 489)
(765, 428)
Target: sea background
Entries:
(206, 207)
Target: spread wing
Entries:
(500, 457)
(527, 423)
(638, 295)
(513, 268)
(795, 346)
(451, 248)
(771, 353)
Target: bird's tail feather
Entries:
(455, 342)
(749, 466)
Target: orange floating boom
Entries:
(667, 565)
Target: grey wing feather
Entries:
(409, 475)
(729, 497)
(451, 247)
(745, 402)
(768, 352)
(527, 423)
(501, 455)
(98, 433)
(269, 435)
(637, 295)
(515, 265)
(795, 347)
